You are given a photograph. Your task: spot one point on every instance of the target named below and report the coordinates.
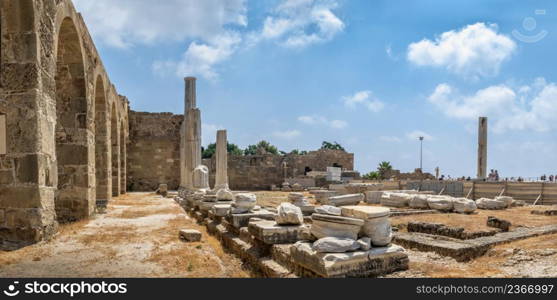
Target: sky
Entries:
(373, 76)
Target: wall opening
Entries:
(102, 161)
(71, 199)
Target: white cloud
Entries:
(416, 134)
(288, 134)
(320, 120)
(300, 23)
(214, 29)
(476, 50)
(531, 107)
(125, 23)
(339, 124)
(364, 98)
(390, 54)
(200, 59)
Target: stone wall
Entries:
(154, 156)
(154, 151)
(66, 125)
(259, 172)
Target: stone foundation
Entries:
(270, 252)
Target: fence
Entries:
(541, 193)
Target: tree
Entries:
(383, 168)
(298, 152)
(209, 151)
(372, 176)
(234, 149)
(252, 149)
(212, 149)
(332, 146)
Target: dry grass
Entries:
(110, 235)
(488, 265)
(134, 200)
(519, 216)
(274, 199)
(135, 213)
(203, 259)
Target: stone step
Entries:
(272, 269)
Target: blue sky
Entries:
(371, 75)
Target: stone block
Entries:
(373, 197)
(498, 223)
(221, 210)
(190, 235)
(242, 220)
(365, 212)
(352, 199)
(375, 262)
(269, 232)
(334, 226)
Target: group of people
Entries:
(550, 178)
(493, 175)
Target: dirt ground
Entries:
(535, 257)
(137, 237)
(274, 199)
(518, 216)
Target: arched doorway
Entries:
(102, 142)
(72, 196)
(115, 142)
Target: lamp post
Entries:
(421, 152)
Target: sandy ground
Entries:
(137, 237)
(535, 257)
(518, 216)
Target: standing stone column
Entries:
(221, 178)
(191, 142)
(482, 148)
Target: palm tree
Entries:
(384, 167)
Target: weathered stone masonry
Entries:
(66, 126)
(154, 151)
(154, 155)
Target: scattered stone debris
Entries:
(163, 190)
(335, 245)
(351, 199)
(289, 214)
(190, 235)
(498, 223)
(328, 210)
(549, 212)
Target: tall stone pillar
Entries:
(221, 178)
(191, 142)
(482, 148)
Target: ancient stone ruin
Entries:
(69, 145)
(64, 127)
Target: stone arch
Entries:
(115, 142)
(73, 197)
(102, 145)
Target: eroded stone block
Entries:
(375, 262)
(269, 232)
